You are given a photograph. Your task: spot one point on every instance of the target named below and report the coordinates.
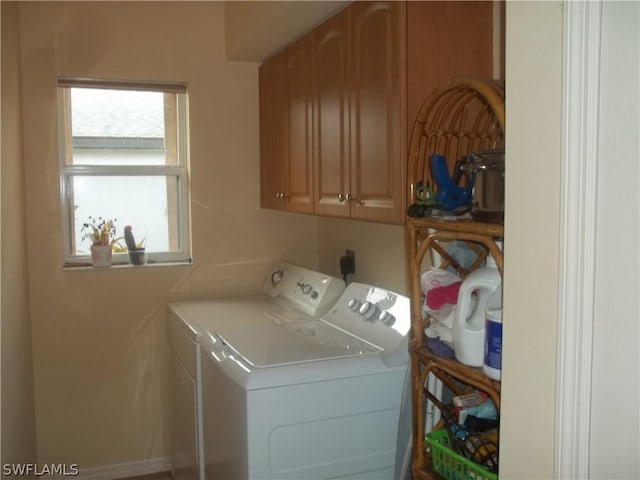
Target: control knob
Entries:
(369, 311)
(276, 277)
(353, 304)
(387, 318)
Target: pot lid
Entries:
(484, 160)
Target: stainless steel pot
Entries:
(486, 175)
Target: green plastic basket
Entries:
(450, 464)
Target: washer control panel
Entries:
(372, 304)
(378, 316)
(311, 292)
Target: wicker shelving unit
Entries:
(460, 117)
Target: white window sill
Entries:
(80, 265)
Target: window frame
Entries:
(179, 233)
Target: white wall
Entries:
(536, 157)
(18, 424)
(533, 172)
(380, 251)
(615, 401)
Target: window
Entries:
(124, 150)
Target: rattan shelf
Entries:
(427, 236)
(464, 225)
(460, 379)
(460, 117)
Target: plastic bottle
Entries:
(492, 366)
(469, 321)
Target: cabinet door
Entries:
(378, 119)
(182, 396)
(330, 54)
(273, 132)
(446, 40)
(297, 89)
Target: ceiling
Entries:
(257, 29)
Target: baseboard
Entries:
(125, 470)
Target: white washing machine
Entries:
(308, 400)
(291, 294)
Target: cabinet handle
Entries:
(354, 199)
(341, 197)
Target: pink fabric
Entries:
(439, 296)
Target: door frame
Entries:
(576, 312)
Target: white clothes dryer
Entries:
(308, 400)
(291, 293)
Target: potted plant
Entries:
(101, 233)
(136, 250)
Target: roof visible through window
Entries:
(99, 112)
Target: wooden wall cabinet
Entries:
(273, 131)
(331, 154)
(359, 127)
(285, 130)
(335, 105)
